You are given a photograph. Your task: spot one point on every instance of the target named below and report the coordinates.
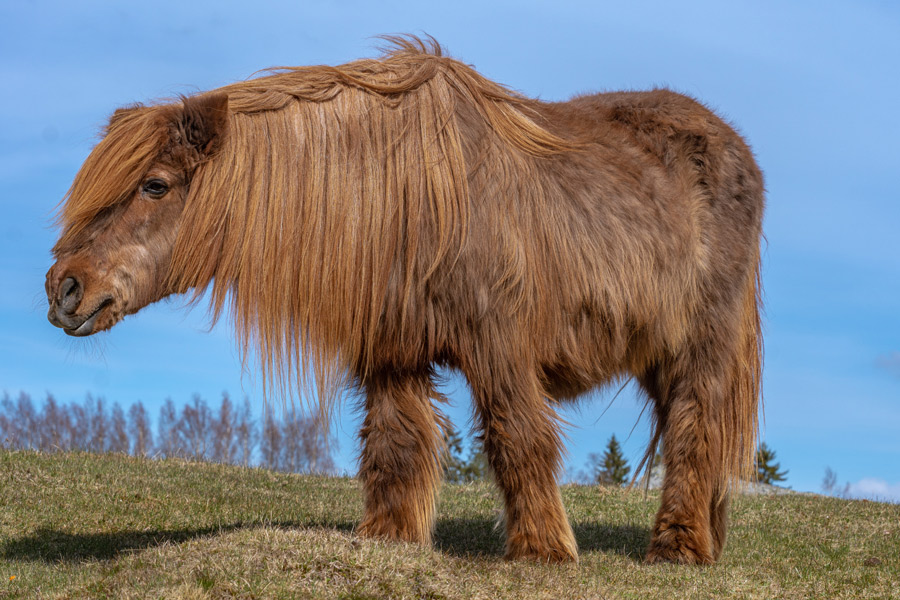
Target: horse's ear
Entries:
(204, 121)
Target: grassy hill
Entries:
(82, 525)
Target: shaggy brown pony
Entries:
(376, 219)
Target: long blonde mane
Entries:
(338, 191)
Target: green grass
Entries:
(87, 526)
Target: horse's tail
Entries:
(743, 402)
(738, 415)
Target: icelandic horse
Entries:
(368, 222)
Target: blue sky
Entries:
(812, 85)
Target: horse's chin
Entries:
(101, 318)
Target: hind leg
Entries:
(400, 468)
(523, 447)
(690, 524)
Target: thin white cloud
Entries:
(872, 488)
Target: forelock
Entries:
(133, 140)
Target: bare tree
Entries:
(25, 419)
(168, 440)
(118, 431)
(296, 444)
(293, 458)
(139, 430)
(270, 445)
(6, 424)
(228, 435)
(303, 448)
(829, 483)
(830, 486)
(194, 428)
(54, 429)
(317, 446)
(98, 424)
(14, 424)
(79, 426)
(224, 443)
(246, 433)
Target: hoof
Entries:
(388, 531)
(563, 552)
(678, 545)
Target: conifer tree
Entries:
(477, 467)
(456, 468)
(766, 467)
(453, 460)
(612, 469)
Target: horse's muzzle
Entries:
(67, 311)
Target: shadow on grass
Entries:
(54, 546)
(455, 537)
(481, 538)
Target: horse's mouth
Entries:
(87, 326)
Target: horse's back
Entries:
(666, 206)
(683, 156)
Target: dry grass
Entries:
(80, 525)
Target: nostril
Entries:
(67, 286)
(70, 293)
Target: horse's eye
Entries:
(155, 188)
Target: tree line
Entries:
(611, 468)
(231, 434)
(228, 434)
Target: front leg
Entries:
(402, 447)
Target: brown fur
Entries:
(376, 219)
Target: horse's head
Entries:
(121, 216)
